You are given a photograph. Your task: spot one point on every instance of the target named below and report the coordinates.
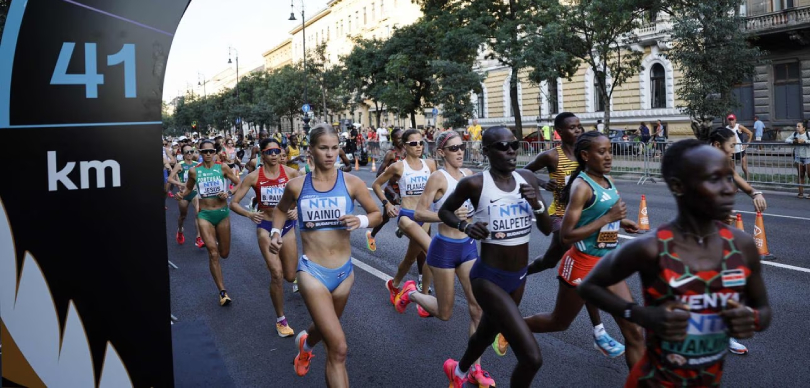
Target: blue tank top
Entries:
(320, 210)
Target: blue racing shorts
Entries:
(165, 176)
(268, 226)
(409, 214)
(506, 280)
(446, 252)
(331, 278)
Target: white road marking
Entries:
(374, 271)
(780, 265)
(773, 215)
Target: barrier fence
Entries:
(768, 164)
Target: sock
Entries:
(411, 293)
(459, 373)
(281, 318)
(598, 330)
(307, 348)
(420, 278)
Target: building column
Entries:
(763, 93)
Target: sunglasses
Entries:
(208, 151)
(414, 143)
(272, 151)
(456, 148)
(505, 145)
(189, 152)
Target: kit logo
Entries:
(99, 168)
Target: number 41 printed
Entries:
(91, 79)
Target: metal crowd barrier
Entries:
(769, 164)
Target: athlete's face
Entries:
(707, 183)
(271, 154)
(502, 150)
(282, 157)
(326, 151)
(208, 152)
(570, 131)
(188, 153)
(727, 146)
(396, 137)
(598, 158)
(453, 152)
(414, 145)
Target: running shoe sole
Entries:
(299, 343)
(606, 354)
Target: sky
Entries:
(209, 27)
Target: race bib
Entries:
(415, 185)
(185, 176)
(608, 236)
(509, 221)
(706, 342)
(270, 196)
(211, 188)
(323, 212)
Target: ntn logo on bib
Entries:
(509, 220)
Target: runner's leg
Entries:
(209, 236)
(633, 337)
(274, 265)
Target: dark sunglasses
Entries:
(414, 143)
(505, 145)
(191, 152)
(208, 151)
(456, 148)
(272, 151)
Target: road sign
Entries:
(435, 111)
(306, 108)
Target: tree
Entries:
(409, 53)
(710, 47)
(603, 38)
(330, 80)
(284, 86)
(365, 75)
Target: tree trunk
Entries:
(413, 120)
(513, 97)
(323, 93)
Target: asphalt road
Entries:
(391, 349)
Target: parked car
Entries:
(624, 141)
(532, 137)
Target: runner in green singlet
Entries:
(701, 280)
(215, 225)
(178, 178)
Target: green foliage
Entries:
(711, 49)
(4, 4)
(365, 76)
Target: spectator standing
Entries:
(600, 126)
(801, 154)
(645, 132)
(474, 134)
(759, 128)
(382, 137)
(743, 135)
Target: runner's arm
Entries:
(360, 194)
(447, 213)
(422, 213)
(580, 193)
(240, 193)
(291, 193)
(190, 182)
(230, 174)
(389, 156)
(543, 220)
(173, 175)
(390, 172)
(347, 164)
(756, 296)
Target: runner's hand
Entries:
(351, 221)
(256, 217)
(347, 168)
(759, 203)
(528, 193)
(551, 185)
(739, 319)
(669, 320)
(629, 226)
(391, 210)
(223, 195)
(292, 214)
(275, 243)
(617, 212)
(478, 230)
(461, 213)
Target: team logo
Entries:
(310, 225)
(340, 275)
(577, 281)
(282, 180)
(733, 277)
(500, 235)
(676, 359)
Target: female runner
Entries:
(413, 173)
(325, 201)
(701, 279)
(506, 200)
(178, 177)
(213, 215)
(592, 220)
(268, 181)
(451, 253)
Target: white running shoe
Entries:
(736, 347)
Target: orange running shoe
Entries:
(450, 371)
(371, 242)
(422, 312)
(481, 377)
(402, 299)
(392, 291)
(199, 243)
(303, 358)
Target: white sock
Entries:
(420, 278)
(411, 293)
(307, 348)
(598, 330)
(281, 318)
(459, 373)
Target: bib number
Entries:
(210, 189)
(609, 235)
(271, 195)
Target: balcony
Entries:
(653, 32)
(786, 20)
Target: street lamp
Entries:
(304, 36)
(231, 49)
(201, 81)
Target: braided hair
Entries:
(584, 142)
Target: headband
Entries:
(453, 134)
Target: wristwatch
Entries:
(628, 311)
(384, 202)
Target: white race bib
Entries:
(271, 195)
(211, 188)
(509, 221)
(608, 236)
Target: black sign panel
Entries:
(84, 287)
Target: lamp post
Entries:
(304, 36)
(231, 49)
(201, 81)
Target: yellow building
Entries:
(278, 56)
